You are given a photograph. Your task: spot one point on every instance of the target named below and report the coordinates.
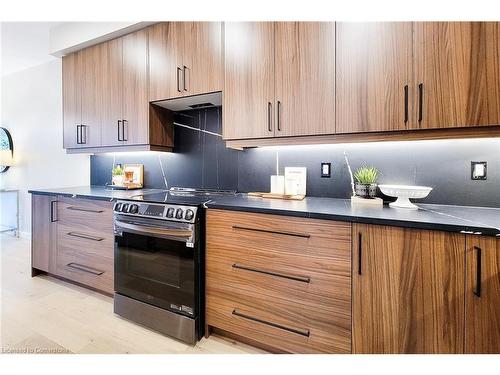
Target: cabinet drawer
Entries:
(298, 269)
(85, 258)
(281, 325)
(87, 215)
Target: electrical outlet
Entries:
(478, 170)
(326, 170)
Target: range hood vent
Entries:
(192, 102)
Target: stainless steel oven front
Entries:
(158, 269)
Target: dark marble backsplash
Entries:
(200, 159)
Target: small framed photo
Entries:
(134, 174)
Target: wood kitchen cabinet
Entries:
(374, 76)
(482, 299)
(279, 79)
(43, 232)
(408, 290)
(72, 99)
(457, 70)
(185, 58)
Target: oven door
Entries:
(155, 262)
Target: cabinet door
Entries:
(408, 290)
(111, 94)
(72, 110)
(166, 44)
(457, 64)
(305, 78)
(202, 58)
(43, 232)
(92, 95)
(482, 332)
(135, 88)
(374, 65)
(249, 80)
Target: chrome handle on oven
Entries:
(169, 232)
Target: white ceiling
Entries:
(24, 45)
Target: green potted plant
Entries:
(366, 181)
(117, 175)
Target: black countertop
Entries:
(439, 217)
(93, 192)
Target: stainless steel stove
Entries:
(159, 260)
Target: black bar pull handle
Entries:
(179, 70)
(78, 135)
(303, 279)
(360, 252)
(85, 236)
(406, 103)
(269, 116)
(477, 289)
(81, 267)
(278, 110)
(53, 207)
(124, 137)
(285, 233)
(184, 68)
(302, 332)
(119, 126)
(420, 101)
(83, 131)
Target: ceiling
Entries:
(24, 45)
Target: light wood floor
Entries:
(46, 315)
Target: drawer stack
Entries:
(85, 242)
(283, 282)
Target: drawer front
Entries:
(268, 263)
(85, 258)
(88, 215)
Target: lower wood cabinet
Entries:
(408, 290)
(482, 299)
(280, 282)
(73, 238)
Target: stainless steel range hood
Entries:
(192, 102)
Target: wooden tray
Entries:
(125, 187)
(277, 196)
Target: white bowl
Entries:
(403, 193)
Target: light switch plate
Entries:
(326, 170)
(478, 170)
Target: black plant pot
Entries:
(368, 191)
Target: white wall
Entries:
(31, 108)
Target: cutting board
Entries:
(277, 196)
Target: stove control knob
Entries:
(170, 212)
(125, 207)
(189, 214)
(118, 207)
(133, 209)
(179, 213)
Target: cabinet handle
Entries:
(360, 252)
(302, 332)
(119, 123)
(53, 217)
(124, 138)
(303, 279)
(81, 267)
(477, 289)
(78, 134)
(74, 208)
(278, 122)
(420, 101)
(406, 103)
(269, 116)
(294, 234)
(83, 130)
(85, 236)
(184, 77)
(178, 80)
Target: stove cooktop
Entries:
(182, 196)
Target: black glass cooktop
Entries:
(184, 196)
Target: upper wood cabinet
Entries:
(72, 99)
(185, 58)
(374, 76)
(249, 80)
(279, 79)
(458, 73)
(305, 78)
(408, 292)
(482, 307)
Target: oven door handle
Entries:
(155, 231)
